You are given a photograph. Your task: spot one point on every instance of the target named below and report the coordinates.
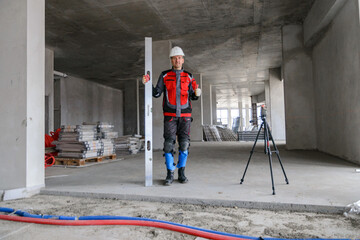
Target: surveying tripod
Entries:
(267, 149)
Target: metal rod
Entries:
(278, 155)
(251, 153)
(60, 74)
(137, 107)
(148, 115)
(201, 101)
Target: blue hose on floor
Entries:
(160, 221)
(86, 218)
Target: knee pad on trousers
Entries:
(184, 145)
(169, 146)
(183, 155)
(169, 161)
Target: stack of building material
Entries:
(106, 130)
(78, 141)
(108, 147)
(211, 133)
(135, 144)
(250, 135)
(226, 134)
(218, 133)
(107, 135)
(129, 144)
(122, 144)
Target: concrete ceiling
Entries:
(232, 43)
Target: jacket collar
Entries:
(177, 71)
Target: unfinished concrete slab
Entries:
(245, 222)
(318, 182)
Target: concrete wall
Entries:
(49, 90)
(130, 108)
(268, 102)
(336, 69)
(206, 102)
(22, 90)
(298, 90)
(213, 104)
(276, 88)
(196, 127)
(85, 101)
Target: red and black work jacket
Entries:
(179, 89)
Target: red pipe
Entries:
(185, 230)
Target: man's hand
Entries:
(198, 92)
(146, 78)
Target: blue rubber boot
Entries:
(181, 165)
(169, 160)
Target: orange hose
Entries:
(185, 230)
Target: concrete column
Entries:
(277, 110)
(336, 61)
(298, 89)
(268, 102)
(241, 124)
(22, 91)
(206, 94)
(130, 106)
(254, 114)
(196, 128)
(213, 104)
(49, 91)
(202, 100)
(229, 115)
(247, 118)
(161, 62)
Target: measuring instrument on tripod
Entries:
(267, 149)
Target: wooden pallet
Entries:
(81, 162)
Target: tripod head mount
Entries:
(263, 112)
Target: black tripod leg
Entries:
(268, 151)
(278, 155)
(251, 153)
(271, 172)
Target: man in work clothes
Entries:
(179, 89)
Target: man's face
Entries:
(177, 62)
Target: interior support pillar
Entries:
(22, 91)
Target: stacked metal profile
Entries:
(211, 133)
(78, 141)
(107, 136)
(218, 133)
(226, 134)
(129, 144)
(250, 135)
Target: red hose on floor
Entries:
(193, 232)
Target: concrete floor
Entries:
(318, 182)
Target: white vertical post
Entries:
(137, 107)
(201, 101)
(148, 114)
(211, 107)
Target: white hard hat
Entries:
(176, 51)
